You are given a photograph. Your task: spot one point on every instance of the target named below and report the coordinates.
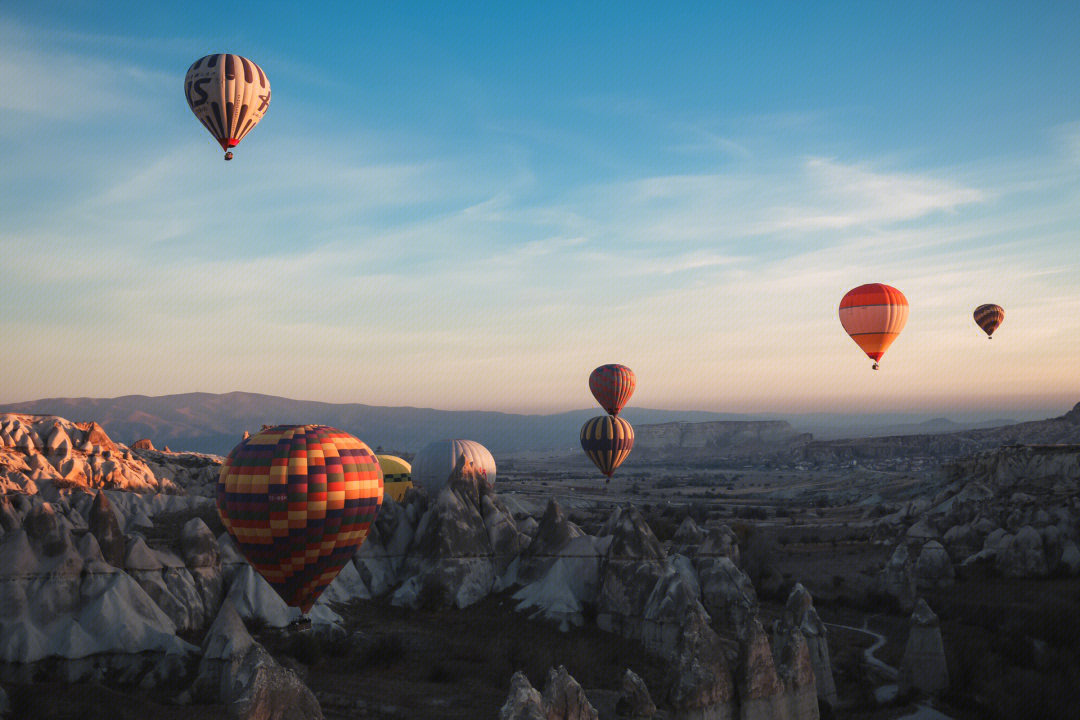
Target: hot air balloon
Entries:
(612, 385)
(873, 315)
(397, 476)
(607, 440)
(298, 500)
(989, 317)
(432, 466)
(229, 94)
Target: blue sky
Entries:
(471, 207)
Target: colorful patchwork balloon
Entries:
(607, 440)
(612, 385)
(989, 317)
(873, 315)
(298, 500)
(229, 95)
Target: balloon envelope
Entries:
(607, 440)
(298, 500)
(229, 95)
(432, 466)
(612, 385)
(397, 476)
(873, 315)
(989, 317)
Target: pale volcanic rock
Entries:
(505, 539)
(142, 444)
(934, 568)
(923, 667)
(720, 541)
(239, 673)
(799, 613)
(1070, 558)
(463, 540)
(700, 681)
(794, 666)
(961, 541)
(634, 702)
(450, 557)
(346, 587)
(634, 562)
(553, 533)
(523, 702)
(254, 599)
(1022, 555)
(564, 699)
(48, 451)
(687, 537)
(198, 545)
(569, 583)
(897, 578)
(726, 592)
(674, 598)
(168, 583)
(373, 563)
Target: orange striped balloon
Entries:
(607, 440)
(989, 317)
(873, 315)
(612, 385)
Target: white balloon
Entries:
(432, 466)
(229, 94)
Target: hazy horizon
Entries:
(1036, 410)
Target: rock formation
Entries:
(799, 613)
(923, 668)
(634, 702)
(562, 699)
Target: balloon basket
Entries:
(301, 624)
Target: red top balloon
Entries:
(612, 385)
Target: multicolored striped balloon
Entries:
(229, 95)
(989, 317)
(298, 500)
(612, 385)
(397, 476)
(873, 315)
(607, 440)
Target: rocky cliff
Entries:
(728, 438)
(1059, 430)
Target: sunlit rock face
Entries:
(47, 453)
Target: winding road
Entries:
(885, 693)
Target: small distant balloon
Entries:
(298, 500)
(989, 317)
(229, 94)
(607, 440)
(612, 385)
(873, 315)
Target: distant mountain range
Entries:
(206, 422)
(214, 423)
